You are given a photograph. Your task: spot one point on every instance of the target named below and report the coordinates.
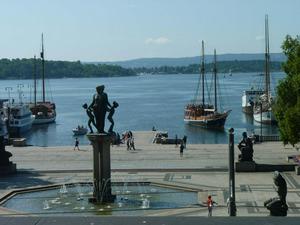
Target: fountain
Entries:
(127, 198)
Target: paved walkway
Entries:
(202, 168)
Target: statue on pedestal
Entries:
(100, 105)
(4, 155)
(277, 205)
(246, 148)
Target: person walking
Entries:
(176, 141)
(184, 141)
(76, 144)
(210, 204)
(181, 149)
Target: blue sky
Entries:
(110, 30)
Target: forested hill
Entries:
(23, 69)
(222, 67)
(186, 61)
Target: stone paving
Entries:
(202, 168)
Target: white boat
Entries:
(19, 118)
(44, 111)
(262, 112)
(266, 117)
(80, 130)
(249, 98)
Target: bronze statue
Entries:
(110, 115)
(89, 112)
(100, 106)
(4, 155)
(246, 148)
(277, 205)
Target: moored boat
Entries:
(262, 112)
(80, 130)
(199, 113)
(44, 111)
(19, 118)
(249, 98)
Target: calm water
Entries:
(145, 101)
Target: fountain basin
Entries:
(132, 198)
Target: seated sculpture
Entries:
(277, 205)
(246, 148)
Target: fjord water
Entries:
(144, 101)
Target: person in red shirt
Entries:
(210, 204)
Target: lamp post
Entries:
(8, 89)
(231, 203)
(261, 138)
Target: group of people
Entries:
(128, 138)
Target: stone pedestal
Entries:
(102, 169)
(9, 169)
(245, 166)
(297, 170)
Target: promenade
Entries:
(203, 168)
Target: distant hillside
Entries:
(23, 69)
(222, 67)
(185, 61)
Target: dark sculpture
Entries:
(4, 155)
(246, 148)
(277, 205)
(89, 112)
(110, 115)
(100, 107)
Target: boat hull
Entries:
(16, 131)
(208, 121)
(266, 117)
(38, 121)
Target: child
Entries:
(210, 204)
(109, 117)
(91, 117)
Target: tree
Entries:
(287, 107)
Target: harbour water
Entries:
(145, 101)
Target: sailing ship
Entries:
(200, 113)
(44, 111)
(263, 107)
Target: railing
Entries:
(265, 138)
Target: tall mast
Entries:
(34, 77)
(43, 68)
(215, 78)
(267, 59)
(202, 73)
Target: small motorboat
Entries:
(80, 130)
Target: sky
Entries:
(113, 30)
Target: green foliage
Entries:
(23, 69)
(287, 108)
(223, 67)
